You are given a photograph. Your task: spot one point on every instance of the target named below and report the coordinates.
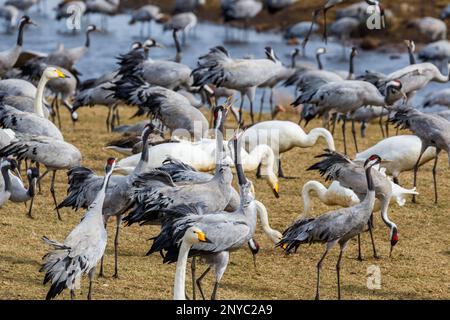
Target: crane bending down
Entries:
(334, 227)
(81, 250)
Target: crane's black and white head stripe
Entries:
(372, 161)
(91, 28)
(26, 20)
(321, 50)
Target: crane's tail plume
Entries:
(296, 234)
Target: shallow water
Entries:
(106, 46)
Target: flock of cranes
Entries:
(167, 182)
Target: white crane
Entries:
(283, 136)
(335, 194)
(192, 235)
(81, 250)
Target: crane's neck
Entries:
(180, 272)
(264, 220)
(370, 195)
(384, 213)
(177, 41)
(294, 59)
(309, 187)
(96, 208)
(6, 178)
(38, 101)
(87, 42)
(144, 154)
(412, 58)
(440, 77)
(219, 141)
(261, 154)
(310, 139)
(20, 34)
(351, 67)
(319, 61)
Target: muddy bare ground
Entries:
(419, 268)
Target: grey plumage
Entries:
(80, 251)
(226, 231)
(27, 123)
(436, 51)
(21, 103)
(218, 68)
(350, 175)
(432, 130)
(9, 57)
(84, 184)
(334, 227)
(173, 109)
(167, 74)
(66, 58)
(441, 97)
(18, 87)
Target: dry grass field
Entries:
(419, 268)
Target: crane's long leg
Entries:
(359, 249)
(354, 135)
(319, 266)
(52, 191)
(29, 214)
(241, 121)
(116, 247)
(252, 116)
(214, 293)
(193, 267)
(272, 111)
(344, 120)
(116, 108)
(108, 119)
(333, 120)
(280, 169)
(262, 104)
(338, 269)
(370, 226)
(416, 168)
(381, 125)
(363, 129)
(101, 274)
(434, 175)
(199, 281)
(72, 294)
(91, 280)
